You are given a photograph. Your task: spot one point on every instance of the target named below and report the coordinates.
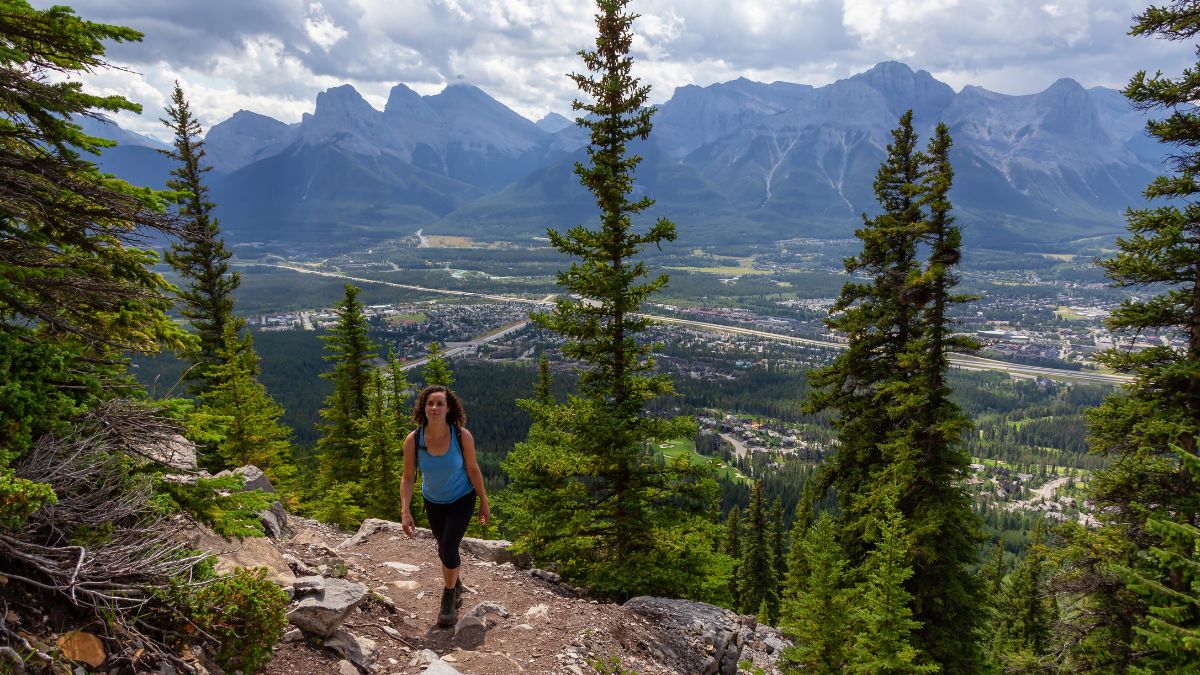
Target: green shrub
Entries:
(19, 498)
(245, 613)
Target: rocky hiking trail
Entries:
(367, 603)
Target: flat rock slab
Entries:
(403, 568)
(249, 553)
(322, 614)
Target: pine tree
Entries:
(1026, 608)
(878, 327)
(896, 424)
(543, 390)
(351, 352)
(76, 294)
(885, 635)
(382, 457)
(398, 395)
(928, 459)
(251, 432)
(778, 553)
(620, 520)
(1148, 495)
(437, 369)
(731, 546)
(757, 568)
(200, 256)
(818, 601)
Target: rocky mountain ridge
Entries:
(734, 161)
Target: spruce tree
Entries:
(76, 293)
(818, 600)
(199, 256)
(251, 430)
(437, 369)
(382, 456)
(622, 521)
(757, 584)
(895, 422)
(1148, 498)
(778, 552)
(731, 546)
(1027, 609)
(351, 351)
(543, 390)
(885, 630)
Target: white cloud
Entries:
(274, 56)
(321, 29)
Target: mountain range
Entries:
(738, 161)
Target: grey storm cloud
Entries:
(283, 52)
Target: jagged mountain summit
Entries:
(734, 161)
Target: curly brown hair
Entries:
(456, 414)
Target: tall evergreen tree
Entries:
(617, 510)
(199, 256)
(731, 546)
(382, 457)
(251, 431)
(1148, 495)
(351, 351)
(929, 460)
(778, 552)
(76, 292)
(885, 630)
(896, 424)
(757, 585)
(878, 327)
(543, 390)
(1027, 609)
(818, 600)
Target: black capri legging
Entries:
(449, 524)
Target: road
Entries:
(963, 361)
(739, 448)
(461, 347)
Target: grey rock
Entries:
(484, 608)
(310, 584)
(494, 550)
(372, 526)
(254, 477)
(469, 632)
(360, 651)
(346, 668)
(440, 667)
(403, 568)
(692, 637)
(298, 566)
(322, 614)
(546, 576)
(293, 635)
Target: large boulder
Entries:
(249, 552)
(322, 614)
(372, 526)
(694, 637)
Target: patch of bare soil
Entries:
(546, 630)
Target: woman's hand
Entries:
(408, 524)
(485, 512)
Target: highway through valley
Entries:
(962, 361)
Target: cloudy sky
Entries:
(274, 56)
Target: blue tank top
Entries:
(443, 477)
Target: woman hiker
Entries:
(444, 451)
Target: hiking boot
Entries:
(458, 589)
(447, 613)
